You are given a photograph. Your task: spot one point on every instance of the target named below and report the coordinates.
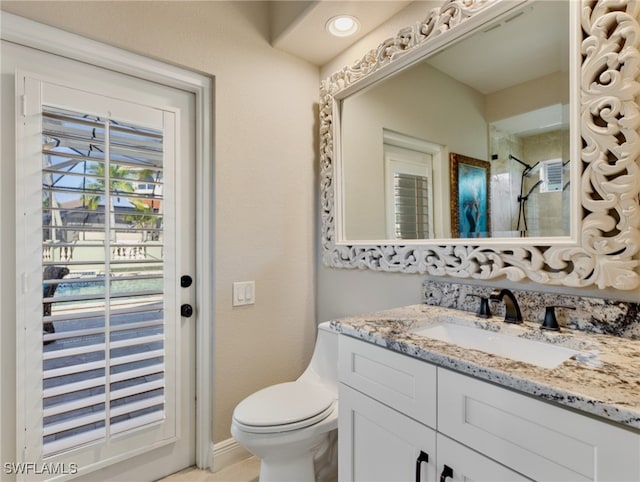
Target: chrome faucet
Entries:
(512, 312)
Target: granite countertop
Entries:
(603, 379)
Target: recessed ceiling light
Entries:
(342, 25)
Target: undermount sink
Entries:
(538, 353)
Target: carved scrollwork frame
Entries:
(608, 240)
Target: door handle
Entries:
(186, 311)
(446, 472)
(423, 457)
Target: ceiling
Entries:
(511, 51)
(484, 61)
(298, 27)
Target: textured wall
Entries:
(265, 165)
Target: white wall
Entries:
(393, 105)
(265, 170)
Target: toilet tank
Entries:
(323, 367)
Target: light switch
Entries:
(244, 293)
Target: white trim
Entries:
(52, 40)
(55, 41)
(398, 139)
(227, 453)
(399, 160)
(438, 180)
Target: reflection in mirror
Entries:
(500, 96)
(604, 242)
(530, 164)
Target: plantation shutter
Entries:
(103, 357)
(411, 206)
(408, 181)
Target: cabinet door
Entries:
(538, 439)
(457, 463)
(378, 444)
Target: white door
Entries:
(408, 193)
(105, 224)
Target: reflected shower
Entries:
(522, 198)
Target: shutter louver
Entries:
(551, 175)
(411, 203)
(103, 311)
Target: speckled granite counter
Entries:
(604, 380)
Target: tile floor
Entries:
(245, 471)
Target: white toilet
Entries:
(292, 427)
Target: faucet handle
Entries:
(550, 322)
(483, 310)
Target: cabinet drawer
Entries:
(401, 382)
(535, 438)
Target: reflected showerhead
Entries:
(527, 167)
(511, 156)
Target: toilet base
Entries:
(275, 469)
(312, 458)
(326, 459)
(318, 464)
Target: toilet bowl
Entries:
(292, 427)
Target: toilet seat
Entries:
(284, 407)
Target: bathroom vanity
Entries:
(413, 407)
(430, 393)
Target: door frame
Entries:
(32, 34)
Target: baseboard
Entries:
(226, 453)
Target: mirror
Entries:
(499, 95)
(595, 236)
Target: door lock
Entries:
(185, 281)
(186, 311)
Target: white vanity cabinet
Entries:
(388, 418)
(377, 443)
(396, 410)
(538, 439)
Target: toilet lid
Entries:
(293, 404)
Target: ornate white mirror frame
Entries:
(605, 250)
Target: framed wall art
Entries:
(470, 207)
